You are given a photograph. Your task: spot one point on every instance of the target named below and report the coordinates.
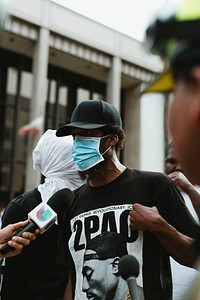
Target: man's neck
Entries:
(106, 172)
(121, 291)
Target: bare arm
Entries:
(186, 186)
(179, 246)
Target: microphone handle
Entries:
(30, 227)
(133, 288)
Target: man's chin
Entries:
(83, 175)
(89, 172)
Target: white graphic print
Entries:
(87, 226)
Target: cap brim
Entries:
(67, 129)
(163, 84)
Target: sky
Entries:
(130, 17)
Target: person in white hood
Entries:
(41, 270)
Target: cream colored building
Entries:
(51, 59)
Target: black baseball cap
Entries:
(91, 114)
(106, 245)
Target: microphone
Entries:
(44, 215)
(129, 270)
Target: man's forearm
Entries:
(179, 246)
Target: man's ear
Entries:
(115, 266)
(196, 73)
(196, 99)
(196, 76)
(114, 139)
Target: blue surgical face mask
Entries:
(85, 152)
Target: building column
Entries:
(38, 101)
(131, 152)
(114, 83)
(144, 127)
(152, 138)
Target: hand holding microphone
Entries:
(44, 215)
(17, 243)
(129, 270)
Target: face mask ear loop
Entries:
(108, 147)
(106, 151)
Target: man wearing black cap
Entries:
(112, 193)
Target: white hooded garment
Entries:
(52, 158)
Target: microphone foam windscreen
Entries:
(128, 266)
(61, 200)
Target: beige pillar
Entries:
(131, 154)
(152, 142)
(114, 83)
(39, 95)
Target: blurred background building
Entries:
(51, 58)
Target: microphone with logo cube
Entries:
(44, 215)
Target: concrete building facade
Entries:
(51, 59)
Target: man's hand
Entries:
(144, 218)
(181, 181)
(186, 186)
(17, 243)
(179, 246)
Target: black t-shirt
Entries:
(35, 273)
(106, 208)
